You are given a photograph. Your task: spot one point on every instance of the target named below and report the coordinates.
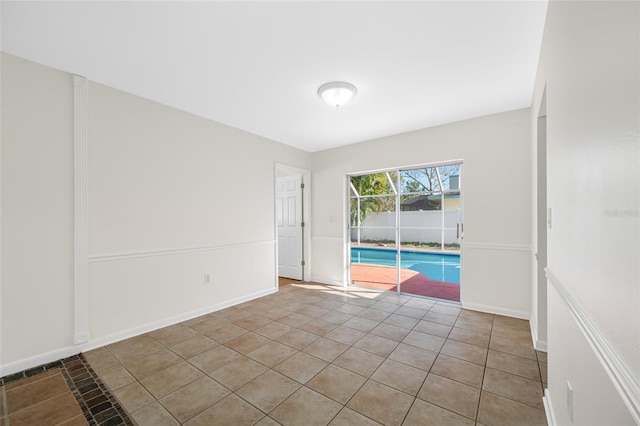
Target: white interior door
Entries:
(289, 220)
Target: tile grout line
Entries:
(5, 405)
(301, 385)
(113, 403)
(415, 398)
(484, 372)
(70, 384)
(249, 312)
(70, 379)
(475, 419)
(139, 380)
(34, 405)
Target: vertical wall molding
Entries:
(81, 191)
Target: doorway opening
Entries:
(292, 189)
(405, 230)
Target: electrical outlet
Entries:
(207, 279)
(570, 401)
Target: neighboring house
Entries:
(431, 202)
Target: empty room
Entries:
(320, 213)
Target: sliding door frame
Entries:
(397, 194)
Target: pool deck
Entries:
(412, 282)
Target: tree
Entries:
(425, 180)
(374, 193)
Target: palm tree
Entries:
(374, 193)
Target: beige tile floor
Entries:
(40, 399)
(318, 355)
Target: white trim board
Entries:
(496, 310)
(167, 252)
(40, 359)
(315, 237)
(496, 246)
(328, 282)
(548, 408)
(538, 345)
(81, 210)
(47, 357)
(116, 337)
(620, 376)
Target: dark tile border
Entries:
(98, 405)
(30, 372)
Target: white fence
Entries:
(415, 226)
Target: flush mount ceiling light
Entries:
(337, 93)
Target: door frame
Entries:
(542, 224)
(280, 170)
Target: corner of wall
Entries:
(539, 345)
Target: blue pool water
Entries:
(437, 266)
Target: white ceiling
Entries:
(257, 65)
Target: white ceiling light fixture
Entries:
(337, 93)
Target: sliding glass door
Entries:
(406, 230)
(373, 206)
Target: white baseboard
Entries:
(126, 334)
(496, 310)
(548, 409)
(538, 345)
(496, 246)
(47, 357)
(37, 360)
(321, 280)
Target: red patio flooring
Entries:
(412, 282)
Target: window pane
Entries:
(419, 181)
(375, 184)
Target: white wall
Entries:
(590, 66)
(167, 181)
(496, 197)
(160, 184)
(37, 209)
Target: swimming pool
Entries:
(437, 266)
